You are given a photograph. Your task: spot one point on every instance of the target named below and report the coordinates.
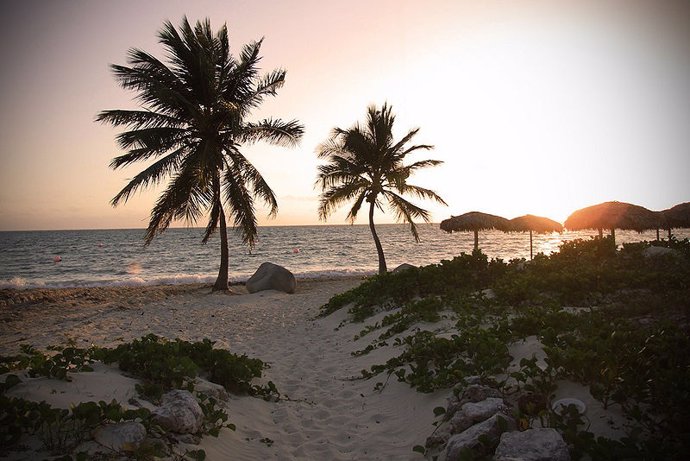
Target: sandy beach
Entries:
(324, 413)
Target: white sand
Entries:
(328, 415)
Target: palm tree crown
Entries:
(365, 163)
(191, 126)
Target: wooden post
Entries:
(613, 236)
(530, 244)
(476, 240)
(601, 233)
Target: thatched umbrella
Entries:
(475, 221)
(537, 224)
(676, 217)
(613, 215)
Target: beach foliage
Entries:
(161, 364)
(192, 124)
(365, 163)
(624, 335)
(57, 364)
(164, 364)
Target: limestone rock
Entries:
(474, 412)
(210, 389)
(403, 267)
(271, 276)
(179, 412)
(542, 444)
(474, 392)
(469, 438)
(121, 437)
(478, 392)
(654, 252)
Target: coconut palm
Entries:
(191, 125)
(364, 163)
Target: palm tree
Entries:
(366, 164)
(192, 122)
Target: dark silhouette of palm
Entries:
(193, 123)
(366, 164)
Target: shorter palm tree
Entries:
(364, 163)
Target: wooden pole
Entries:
(530, 244)
(476, 240)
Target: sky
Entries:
(539, 107)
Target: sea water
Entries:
(80, 258)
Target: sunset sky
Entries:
(537, 107)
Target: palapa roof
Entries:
(538, 224)
(614, 215)
(677, 216)
(474, 221)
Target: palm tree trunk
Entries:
(379, 249)
(222, 280)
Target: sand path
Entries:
(325, 414)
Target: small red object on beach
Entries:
(57, 259)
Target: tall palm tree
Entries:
(192, 122)
(364, 163)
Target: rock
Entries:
(179, 412)
(469, 438)
(542, 444)
(210, 389)
(475, 392)
(403, 267)
(121, 437)
(488, 293)
(438, 438)
(478, 392)
(655, 252)
(474, 412)
(271, 276)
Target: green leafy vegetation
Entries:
(161, 364)
(626, 338)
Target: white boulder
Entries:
(271, 276)
(179, 412)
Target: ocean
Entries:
(82, 258)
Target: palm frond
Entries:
(336, 196)
(137, 119)
(241, 205)
(184, 198)
(250, 175)
(421, 192)
(274, 131)
(158, 139)
(151, 175)
(214, 215)
(406, 212)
